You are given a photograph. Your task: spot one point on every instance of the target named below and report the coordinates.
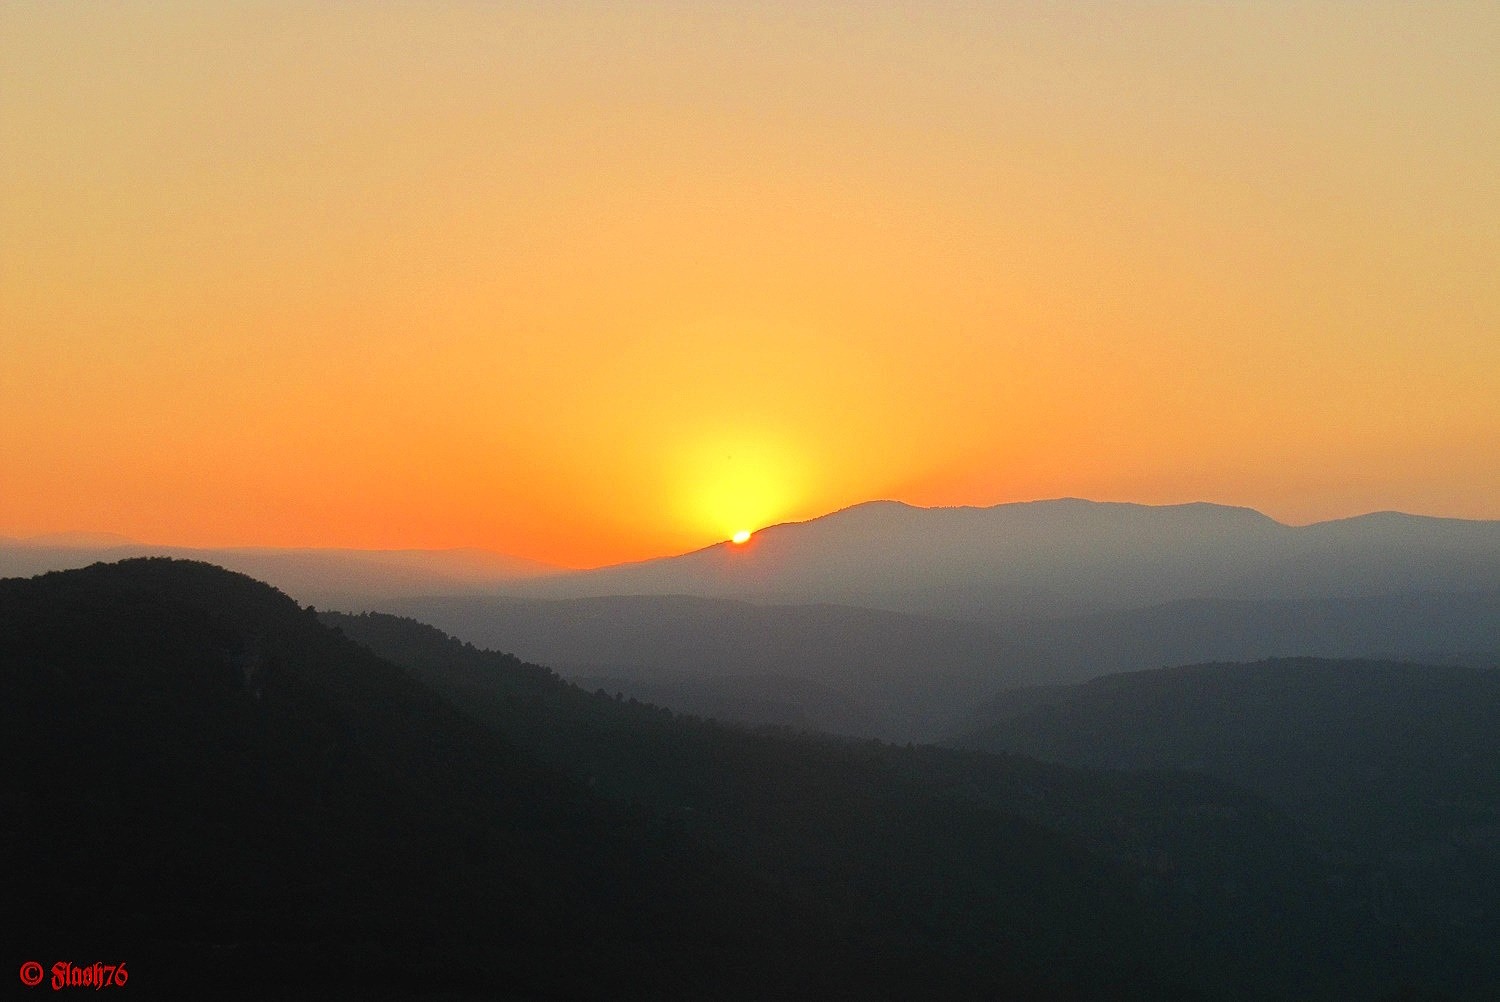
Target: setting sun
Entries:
(737, 478)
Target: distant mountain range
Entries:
(1060, 557)
(1002, 564)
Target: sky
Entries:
(586, 283)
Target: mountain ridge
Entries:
(1055, 557)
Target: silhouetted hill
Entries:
(1053, 558)
(1398, 765)
(211, 784)
(204, 781)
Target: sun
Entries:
(732, 484)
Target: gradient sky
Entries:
(594, 282)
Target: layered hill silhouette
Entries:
(901, 676)
(205, 780)
(225, 789)
(891, 621)
(1262, 911)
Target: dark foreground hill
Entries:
(1396, 766)
(205, 782)
(1238, 900)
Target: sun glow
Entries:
(734, 483)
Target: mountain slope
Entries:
(1243, 904)
(207, 781)
(210, 782)
(203, 780)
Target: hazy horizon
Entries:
(88, 539)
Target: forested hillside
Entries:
(1241, 901)
(224, 789)
(1394, 766)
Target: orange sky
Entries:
(593, 282)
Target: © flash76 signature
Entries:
(66, 974)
